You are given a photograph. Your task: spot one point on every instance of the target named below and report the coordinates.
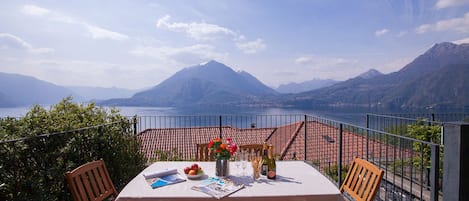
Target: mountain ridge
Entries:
(434, 79)
(204, 84)
(309, 85)
(366, 93)
(22, 90)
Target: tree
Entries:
(50, 142)
(426, 133)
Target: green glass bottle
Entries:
(271, 166)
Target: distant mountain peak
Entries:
(370, 74)
(209, 62)
(439, 48)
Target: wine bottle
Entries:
(271, 166)
(265, 160)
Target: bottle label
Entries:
(271, 174)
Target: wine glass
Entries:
(237, 158)
(244, 161)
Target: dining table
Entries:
(295, 181)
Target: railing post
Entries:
(367, 135)
(220, 121)
(435, 171)
(339, 157)
(101, 140)
(306, 121)
(135, 124)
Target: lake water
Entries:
(348, 117)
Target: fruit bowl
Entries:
(197, 176)
(194, 171)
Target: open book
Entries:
(163, 178)
(217, 187)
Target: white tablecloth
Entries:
(296, 180)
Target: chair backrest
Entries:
(362, 180)
(252, 148)
(203, 153)
(91, 181)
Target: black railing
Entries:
(412, 167)
(399, 123)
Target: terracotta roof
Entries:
(322, 146)
(288, 139)
(184, 140)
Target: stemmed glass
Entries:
(244, 161)
(237, 158)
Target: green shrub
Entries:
(33, 168)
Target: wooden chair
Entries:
(362, 180)
(91, 181)
(203, 153)
(252, 147)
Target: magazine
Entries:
(217, 187)
(163, 178)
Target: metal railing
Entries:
(399, 123)
(412, 167)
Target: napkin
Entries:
(159, 173)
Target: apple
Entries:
(195, 167)
(192, 172)
(186, 170)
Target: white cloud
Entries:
(455, 24)
(322, 61)
(381, 32)
(200, 52)
(95, 32)
(252, 47)
(461, 41)
(100, 33)
(34, 10)
(198, 31)
(304, 60)
(450, 3)
(10, 41)
(324, 67)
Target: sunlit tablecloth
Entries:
(296, 181)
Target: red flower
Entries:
(222, 150)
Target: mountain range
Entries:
(211, 83)
(20, 90)
(294, 87)
(102, 93)
(417, 85)
(436, 79)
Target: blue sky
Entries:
(137, 43)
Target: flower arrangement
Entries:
(222, 150)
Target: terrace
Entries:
(412, 167)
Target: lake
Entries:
(348, 117)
